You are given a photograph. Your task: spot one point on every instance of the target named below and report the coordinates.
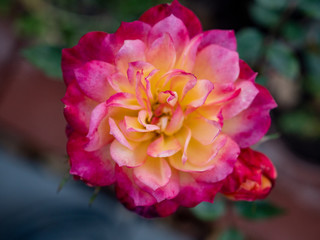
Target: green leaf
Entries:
(63, 182)
(257, 210)
(231, 234)
(283, 60)
(264, 16)
(273, 4)
(209, 211)
(294, 33)
(310, 8)
(249, 44)
(302, 123)
(312, 81)
(45, 57)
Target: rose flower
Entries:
(166, 112)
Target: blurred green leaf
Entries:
(312, 82)
(257, 210)
(249, 44)
(310, 8)
(273, 4)
(231, 234)
(30, 25)
(282, 59)
(262, 80)
(94, 195)
(47, 58)
(5, 6)
(209, 211)
(264, 16)
(302, 123)
(294, 33)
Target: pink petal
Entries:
(159, 12)
(188, 56)
(248, 127)
(116, 132)
(162, 53)
(124, 156)
(120, 83)
(223, 38)
(132, 31)
(217, 64)
(176, 121)
(123, 100)
(77, 108)
(164, 146)
(181, 83)
(246, 73)
(242, 101)
(223, 165)
(127, 191)
(131, 51)
(96, 168)
(92, 46)
(154, 173)
(176, 30)
(98, 134)
(132, 124)
(92, 78)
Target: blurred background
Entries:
(280, 39)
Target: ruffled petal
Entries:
(132, 31)
(92, 78)
(159, 12)
(124, 156)
(217, 64)
(162, 53)
(96, 168)
(77, 108)
(99, 46)
(164, 146)
(248, 127)
(176, 30)
(223, 38)
(154, 173)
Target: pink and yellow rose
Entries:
(166, 112)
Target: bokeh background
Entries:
(280, 39)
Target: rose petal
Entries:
(159, 12)
(164, 146)
(77, 108)
(217, 64)
(154, 173)
(132, 31)
(246, 73)
(92, 46)
(162, 53)
(223, 38)
(92, 78)
(131, 51)
(96, 168)
(176, 30)
(124, 156)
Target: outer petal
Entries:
(176, 30)
(248, 127)
(95, 168)
(217, 64)
(132, 31)
(223, 38)
(77, 108)
(154, 173)
(246, 73)
(92, 78)
(252, 178)
(92, 46)
(157, 13)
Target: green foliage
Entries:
(257, 210)
(273, 4)
(313, 73)
(249, 44)
(302, 123)
(294, 33)
(310, 7)
(264, 16)
(209, 211)
(47, 58)
(283, 60)
(231, 234)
